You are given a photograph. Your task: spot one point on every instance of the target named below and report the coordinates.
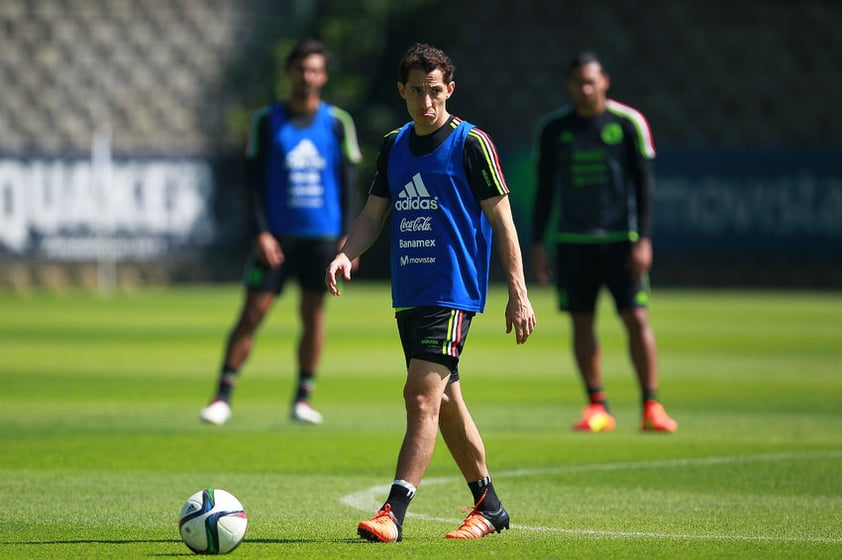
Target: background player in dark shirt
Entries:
(301, 163)
(594, 158)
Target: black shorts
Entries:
(307, 259)
(584, 268)
(435, 334)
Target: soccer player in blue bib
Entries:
(301, 162)
(594, 161)
(440, 178)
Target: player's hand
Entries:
(541, 264)
(269, 250)
(520, 317)
(339, 267)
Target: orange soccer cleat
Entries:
(383, 527)
(481, 523)
(656, 419)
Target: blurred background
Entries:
(122, 123)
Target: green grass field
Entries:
(100, 442)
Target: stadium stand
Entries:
(153, 67)
(719, 74)
(150, 67)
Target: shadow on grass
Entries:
(93, 541)
(175, 541)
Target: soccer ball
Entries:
(212, 521)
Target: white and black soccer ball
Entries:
(212, 521)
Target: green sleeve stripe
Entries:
(350, 145)
(644, 134)
(491, 160)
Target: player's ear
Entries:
(450, 87)
(401, 89)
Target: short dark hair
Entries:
(582, 58)
(303, 49)
(427, 58)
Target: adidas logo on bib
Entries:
(415, 196)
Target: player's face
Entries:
(426, 96)
(308, 76)
(588, 88)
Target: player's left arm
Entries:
(350, 159)
(519, 312)
(642, 152)
(485, 174)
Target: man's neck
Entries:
(591, 112)
(304, 105)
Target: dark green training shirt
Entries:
(598, 170)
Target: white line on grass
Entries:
(369, 499)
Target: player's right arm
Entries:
(367, 225)
(546, 170)
(267, 248)
(256, 160)
(364, 231)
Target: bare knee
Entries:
(583, 324)
(422, 406)
(636, 320)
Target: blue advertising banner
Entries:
(744, 202)
(727, 202)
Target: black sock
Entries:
(305, 385)
(227, 382)
(597, 396)
(649, 395)
(400, 495)
(484, 494)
